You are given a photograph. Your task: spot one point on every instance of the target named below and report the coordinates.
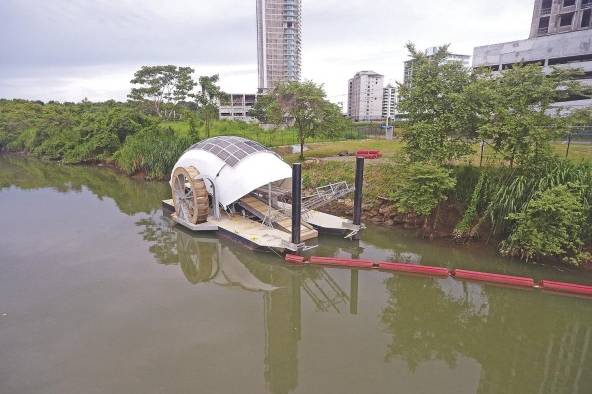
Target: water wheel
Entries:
(190, 195)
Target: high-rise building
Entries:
(389, 102)
(561, 36)
(465, 60)
(279, 26)
(365, 94)
(560, 16)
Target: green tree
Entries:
(304, 104)
(163, 86)
(261, 108)
(442, 121)
(420, 187)
(207, 99)
(550, 226)
(516, 108)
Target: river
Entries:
(99, 293)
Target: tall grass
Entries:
(509, 191)
(153, 151)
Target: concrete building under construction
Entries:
(279, 38)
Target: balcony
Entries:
(545, 11)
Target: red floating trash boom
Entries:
(494, 278)
(337, 262)
(413, 268)
(293, 258)
(562, 287)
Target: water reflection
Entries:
(524, 342)
(207, 259)
(131, 196)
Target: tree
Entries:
(261, 108)
(207, 99)
(304, 104)
(163, 86)
(442, 122)
(516, 107)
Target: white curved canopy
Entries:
(235, 165)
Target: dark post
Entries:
(296, 201)
(568, 144)
(358, 191)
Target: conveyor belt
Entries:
(263, 211)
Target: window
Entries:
(566, 19)
(544, 25)
(586, 18)
(569, 3)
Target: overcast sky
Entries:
(71, 49)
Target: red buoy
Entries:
(339, 262)
(563, 287)
(293, 258)
(494, 278)
(413, 268)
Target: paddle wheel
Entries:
(190, 195)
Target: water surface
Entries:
(101, 294)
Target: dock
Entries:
(251, 233)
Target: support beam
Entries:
(358, 192)
(296, 202)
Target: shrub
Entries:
(550, 226)
(420, 187)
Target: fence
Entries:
(577, 142)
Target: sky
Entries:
(68, 50)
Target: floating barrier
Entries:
(509, 280)
(570, 288)
(413, 268)
(339, 262)
(493, 278)
(292, 258)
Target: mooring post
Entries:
(358, 193)
(296, 202)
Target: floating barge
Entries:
(245, 191)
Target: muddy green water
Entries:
(101, 294)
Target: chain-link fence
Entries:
(576, 143)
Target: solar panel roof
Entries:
(230, 149)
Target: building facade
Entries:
(237, 107)
(560, 16)
(365, 96)
(389, 102)
(279, 39)
(465, 60)
(555, 44)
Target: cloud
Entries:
(71, 49)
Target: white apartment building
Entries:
(237, 106)
(279, 39)
(389, 102)
(365, 96)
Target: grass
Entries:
(271, 138)
(319, 150)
